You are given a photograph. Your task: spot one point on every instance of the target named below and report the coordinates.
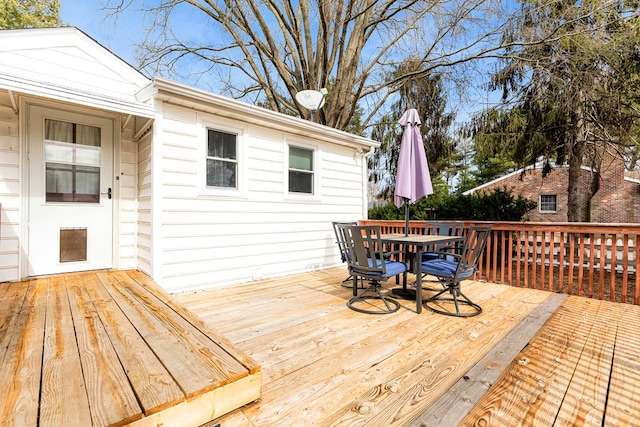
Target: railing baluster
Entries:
(552, 257)
(636, 295)
(625, 267)
(513, 249)
(581, 264)
(614, 260)
(603, 257)
(534, 258)
(543, 259)
(572, 245)
(592, 256)
(561, 283)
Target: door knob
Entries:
(108, 193)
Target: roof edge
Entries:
(240, 110)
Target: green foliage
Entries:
(425, 93)
(570, 91)
(15, 14)
(499, 205)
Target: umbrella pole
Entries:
(406, 218)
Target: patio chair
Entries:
(441, 229)
(365, 262)
(453, 269)
(347, 283)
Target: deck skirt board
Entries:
(99, 349)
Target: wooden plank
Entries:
(530, 391)
(111, 399)
(388, 364)
(623, 404)
(21, 368)
(585, 399)
(153, 385)
(64, 398)
(207, 406)
(187, 320)
(419, 387)
(10, 306)
(452, 406)
(188, 362)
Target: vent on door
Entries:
(73, 244)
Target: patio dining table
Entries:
(418, 242)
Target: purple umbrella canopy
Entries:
(413, 181)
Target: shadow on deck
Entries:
(112, 348)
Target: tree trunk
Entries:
(578, 200)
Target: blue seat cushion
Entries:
(430, 256)
(444, 268)
(393, 268)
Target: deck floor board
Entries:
(288, 352)
(101, 349)
(326, 365)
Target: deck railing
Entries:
(586, 259)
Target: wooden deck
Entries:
(110, 349)
(531, 358)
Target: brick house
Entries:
(616, 201)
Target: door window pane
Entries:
(72, 162)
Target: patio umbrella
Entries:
(413, 181)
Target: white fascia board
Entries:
(187, 96)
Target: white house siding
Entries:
(9, 190)
(144, 254)
(211, 240)
(126, 182)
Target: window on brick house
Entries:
(548, 203)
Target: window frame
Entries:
(315, 172)
(241, 163)
(541, 203)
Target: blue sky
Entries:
(121, 37)
(88, 16)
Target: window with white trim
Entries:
(301, 173)
(222, 159)
(548, 203)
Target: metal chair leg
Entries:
(348, 283)
(391, 305)
(457, 298)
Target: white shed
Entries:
(102, 168)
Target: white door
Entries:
(70, 161)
